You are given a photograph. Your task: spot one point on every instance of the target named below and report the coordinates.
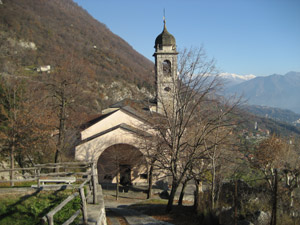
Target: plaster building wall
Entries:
(92, 149)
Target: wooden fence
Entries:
(66, 169)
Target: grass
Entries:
(29, 209)
(18, 184)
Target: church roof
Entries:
(123, 126)
(165, 38)
(138, 108)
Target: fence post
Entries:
(38, 177)
(235, 201)
(274, 207)
(50, 219)
(94, 180)
(83, 205)
(90, 183)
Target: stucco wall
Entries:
(92, 149)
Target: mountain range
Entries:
(278, 91)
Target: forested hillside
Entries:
(36, 33)
(277, 114)
(58, 68)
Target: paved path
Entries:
(132, 217)
(113, 217)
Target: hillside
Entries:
(276, 114)
(35, 33)
(279, 91)
(255, 124)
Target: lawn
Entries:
(29, 209)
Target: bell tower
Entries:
(165, 71)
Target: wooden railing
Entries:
(49, 217)
(46, 170)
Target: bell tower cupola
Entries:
(165, 70)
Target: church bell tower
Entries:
(165, 71)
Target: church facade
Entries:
(114, 139)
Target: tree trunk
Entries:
(292, 198)
(213, 185)
(12, 163)
(182, 193)
(149, 192)
(62, 128)
(198, 194)
(235, 201)
(218, 190)
(12, 150)
(274, 208)
(118, 184)
(172, 196)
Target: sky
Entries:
(259, 37)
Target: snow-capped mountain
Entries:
(231, 79)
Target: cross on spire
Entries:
(164, 18)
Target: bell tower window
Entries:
(167, 89)
(167, 68)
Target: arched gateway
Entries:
(123, 161)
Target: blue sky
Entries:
(259, 37)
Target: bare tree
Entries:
(10, 108)
(268, 157)
(22, 129)
(188, 116)
(278, 161)
(64, 85)
(152, 145)
(291, 171)
(219, 144)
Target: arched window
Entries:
(167, 68)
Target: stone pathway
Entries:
(113, 218)
(131, 216)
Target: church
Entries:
(114, 139)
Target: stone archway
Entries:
(124, 159)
